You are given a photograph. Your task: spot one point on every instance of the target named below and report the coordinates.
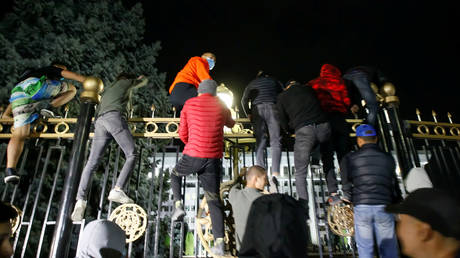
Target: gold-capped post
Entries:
(92, 86)
(389, 91)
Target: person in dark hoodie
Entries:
(362, 77)
(262, 93)
(333, 96)
(102, 239)
(299, 109)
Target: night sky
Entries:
(414, 43)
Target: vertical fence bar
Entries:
(61, 237)
(50, 202)
(26, 202)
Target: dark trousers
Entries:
(182, 92)
(361, 82)
(108, 126)
(306, 138)
(208, 171)
(338, 142)
(265, 119)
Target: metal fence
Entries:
(47, 154)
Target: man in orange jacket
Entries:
(186, 83)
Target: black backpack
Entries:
(276, 227)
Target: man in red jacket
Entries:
(201, 129)
(333, 96)
(186, 83)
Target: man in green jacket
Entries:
(110, 122)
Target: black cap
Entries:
(434, 207)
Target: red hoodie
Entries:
(201, 126)
(331, 90)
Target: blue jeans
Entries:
(372, 220)
(361, 82)
(265, 118)
(107, 126)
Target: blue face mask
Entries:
(211, 62)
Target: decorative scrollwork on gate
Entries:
(340, 219)
(132, 219)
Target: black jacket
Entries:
(264, 89)
(298, 106)
(368, 176)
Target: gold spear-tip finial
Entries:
(433, 113)
(449, 115)
(417, 111)
(152, 107)
(92, 86)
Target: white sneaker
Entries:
(47, 113)
(79, 210)
(119, 196)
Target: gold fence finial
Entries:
(92, 86)
(417, 111)
(449, 115)
(152, 108)
(433, 113)
(389, 91)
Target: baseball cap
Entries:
(208, 86)
(365, 130)
(434, 207)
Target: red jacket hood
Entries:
(330, 71)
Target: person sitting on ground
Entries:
(201, 129)
(35, 91)
(242, 199)
(428, 224)
(102, 239)
(186, 83)
(111, 115)
(7, 213)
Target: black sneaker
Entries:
(11, 177)
(273, 185)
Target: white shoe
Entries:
(79, 210)
(117, 195)
(47, 113)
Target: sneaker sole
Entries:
(11, 180)
(120, 201)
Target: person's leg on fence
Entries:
(187, 165)
(304, 143)
(210, 181)
(260, 132)
(100, 140)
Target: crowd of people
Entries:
(428, 220)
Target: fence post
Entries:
(92, 86)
